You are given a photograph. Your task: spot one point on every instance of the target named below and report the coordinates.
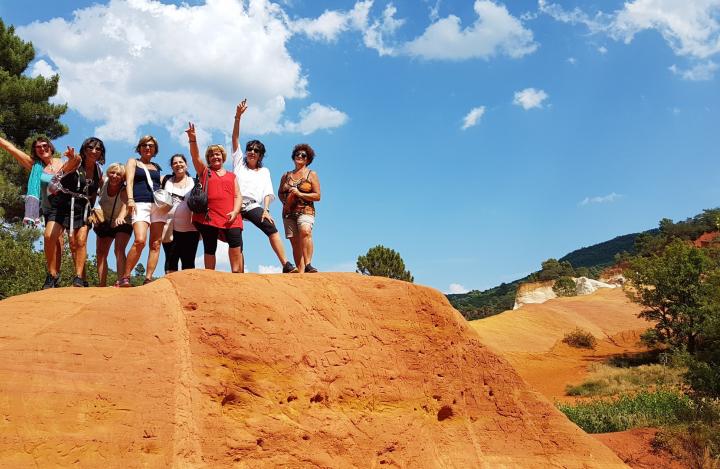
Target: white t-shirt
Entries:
(255, 184)
(180, 214)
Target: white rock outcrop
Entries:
(540, 292)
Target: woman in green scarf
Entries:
(42, 165)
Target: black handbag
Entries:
(197, 199)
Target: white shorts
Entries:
(292, 224)
(149, 213)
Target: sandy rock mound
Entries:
(210, 369)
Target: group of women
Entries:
(64, 194)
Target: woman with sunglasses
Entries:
(42, 165)
(257, 190)
(112, 200)
(224, 203)
(142, 178)
(180, 238)
(299, 190)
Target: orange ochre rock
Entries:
(210, 369)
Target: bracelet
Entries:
(192, 141)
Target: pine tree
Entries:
(383, 262)
(25, 113)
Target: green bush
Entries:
(580, 338)
(644, 409)
(565, 286)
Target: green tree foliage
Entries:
(676, 288)
(553, 269)
(383, 262)
(601, 254)
(565, 286)
(25, 112)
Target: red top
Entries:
(221, 199)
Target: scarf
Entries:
(32, 198)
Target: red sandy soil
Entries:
(208, 369)
(530, 338)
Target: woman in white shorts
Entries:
(299, 190)
(145, 214)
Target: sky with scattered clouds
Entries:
(476, 138)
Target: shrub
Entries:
(580, 338)
(384, 262)
(565, 286)
(605, 380)
(644, 409)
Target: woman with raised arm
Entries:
(117, 227)
(42, 165)
(185, 238)
(142, 178)
(224, 203)
(257, 190)
(76, 193)
(299, 190)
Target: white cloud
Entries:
(572, 60)
(494, 32)
(315, 117)
(603, 50)
(473, 117)
(612, 197)
(691, 28)
(530, 98)
(127, 64)
(42, 69)
(457, 288)
(222, 258)
(269, 269)
(699, 72)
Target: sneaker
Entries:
(78, 282)
(86, 284)
(50, 282)
(124, 283)
(289, 268)
(309, 269)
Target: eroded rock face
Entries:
(534, 293)
(586, 286)
(206, 369)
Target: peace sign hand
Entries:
(190, 131)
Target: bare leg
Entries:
(140, 230)
(306, 242)
(52, 244)
(59, 251)
(78, 240)
(209, 261)
(277, 246)
(121, 242)
(156, 231)
(236, 260)
(297, 253)
(102, 248)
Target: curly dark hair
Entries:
(258, 144)
(308, 151)
(94, 141)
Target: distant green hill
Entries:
(477, 304)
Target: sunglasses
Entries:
(302, 155)
(253, 150)
(148, 145)
(95, 149)
(42, 146)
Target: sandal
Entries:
(147, 280)
(124, 283)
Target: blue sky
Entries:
(476, 138)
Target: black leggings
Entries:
(182, 248)
(232, 236)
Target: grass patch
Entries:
(643, 409)
(580, 338)
(604, 380)
(697, 442)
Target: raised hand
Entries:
(241, 108)
(190, 131)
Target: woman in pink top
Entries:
(224, 204)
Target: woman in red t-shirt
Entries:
(224, 203)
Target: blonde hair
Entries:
(118, 167)
(211, 149)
